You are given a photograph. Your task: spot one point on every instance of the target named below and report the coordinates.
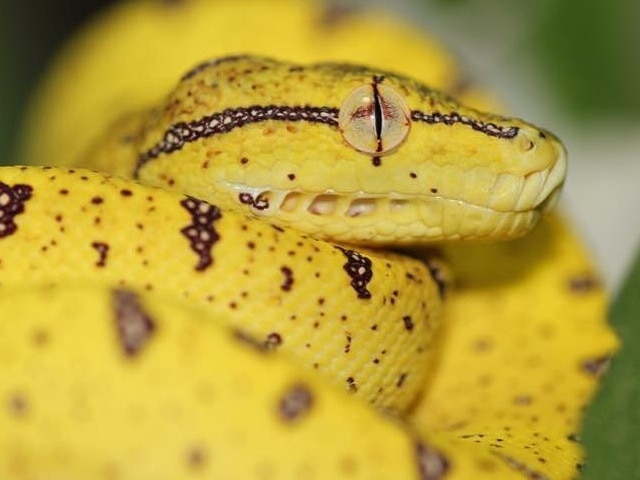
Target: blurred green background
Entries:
(571, 65)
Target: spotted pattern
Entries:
(135, 326)
(452, 118)
(295, 403)
(201, 232)
(359, 268)
(432, 465)
(12, 200)
(229, 119)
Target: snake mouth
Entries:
(363, 218)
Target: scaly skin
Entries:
(479, 415)
(370, 332)
(152, 386)
(459, 175)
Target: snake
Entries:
(292, 204)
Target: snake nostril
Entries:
(361, 207)
(323, 205)
(526, 144)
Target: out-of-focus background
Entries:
(570, 65)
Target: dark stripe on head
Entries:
(229, 119)
(222, 122)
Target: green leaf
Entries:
(612, 427)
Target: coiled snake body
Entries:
(268, 193)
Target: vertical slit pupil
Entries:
(377, 115)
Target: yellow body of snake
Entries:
(265, 190)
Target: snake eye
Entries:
(374, 119)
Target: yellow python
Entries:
(368, 321)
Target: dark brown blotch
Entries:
(259, 202)
(273, 341)
(12, 200)
(196, 457)
(287, 283)
(103, 251)
(135, 325)
(352, 385)
(295, 403)
(360, 270)
(201, 233)
(408, 323)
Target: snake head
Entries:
(350, 153)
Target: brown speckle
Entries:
(583, 283)
(135, 326)
(103, 250)
(352, 385)
(296, 403)
(596, 366)
(432, 465)
(408, 322)
(291, 176)
(125, 192)
(201, 232)
(522, 400)
(273, 341)
(12, 200)
(97, 200)
(287, 283)
(196, 457)
(401, 379)
(347, 347)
